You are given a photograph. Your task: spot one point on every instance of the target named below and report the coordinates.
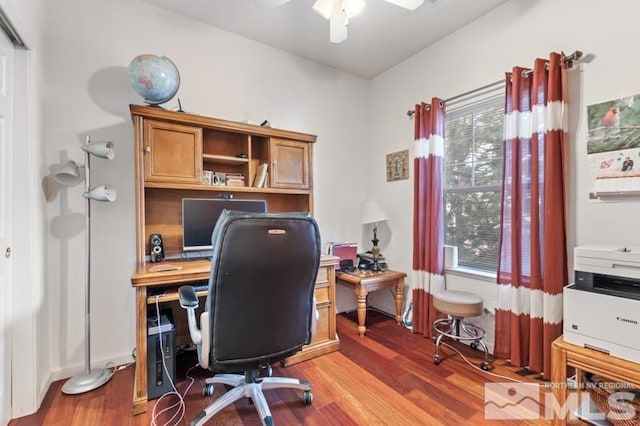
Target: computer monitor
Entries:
(199, 217)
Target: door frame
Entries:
(29, 348)
(29, 357)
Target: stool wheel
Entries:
(307, 397)
(436, 359)
(473, 345)
(484, 365)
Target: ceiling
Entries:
(380, 37)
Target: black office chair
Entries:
(260, 305)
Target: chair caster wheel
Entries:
(208, 389)
(307, 397)
(473, 345)
(484, 365)
(436, 359)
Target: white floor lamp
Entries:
(69, 174)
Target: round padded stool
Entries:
(458, 305)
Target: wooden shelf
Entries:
(170, 296)
(201, 187)
(161, 114)
(224, 159)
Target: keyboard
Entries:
(201, 287)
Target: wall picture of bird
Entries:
(611, 121)
(614, 125)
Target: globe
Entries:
(155, 78)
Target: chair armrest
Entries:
(189, 301)
(188, 298)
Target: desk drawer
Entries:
(322, 295)
(323, 275)
(322, 325)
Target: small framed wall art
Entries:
(398, 165)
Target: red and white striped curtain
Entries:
(532, 267)
(428, 214)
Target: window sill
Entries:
(476, 274)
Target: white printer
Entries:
(602, 307)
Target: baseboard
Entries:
(66, 372)
(42, 391)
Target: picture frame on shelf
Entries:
(219, 179)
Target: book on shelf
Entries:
(253, 168)
(234, 179)
(261, 176)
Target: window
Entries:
(473, 178)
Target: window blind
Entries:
(473, 178)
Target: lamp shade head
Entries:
(101, 193)
(372, 212)
(100, 149)
(68, 174)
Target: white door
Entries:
(6, 222)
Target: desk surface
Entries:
(365, 281)
(368, 277)
(190, 270)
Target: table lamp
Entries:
(372, 212)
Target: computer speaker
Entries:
(156, 248)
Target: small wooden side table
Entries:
(565, 355)
(365, 281)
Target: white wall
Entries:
(514, 34)
(89, 44)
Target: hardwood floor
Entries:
(385, 378)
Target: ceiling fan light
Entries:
(409, 4)
(352, 7)
(324, 8)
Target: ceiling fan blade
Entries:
(407, 4)
(269, 4)
(338, 25)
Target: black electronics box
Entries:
(160, 341)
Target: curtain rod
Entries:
(567, 60)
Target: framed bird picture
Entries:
(613, 147)
(398, 165)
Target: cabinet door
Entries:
(289, 164)
(173, 152)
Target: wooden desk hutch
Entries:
(171, 151)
